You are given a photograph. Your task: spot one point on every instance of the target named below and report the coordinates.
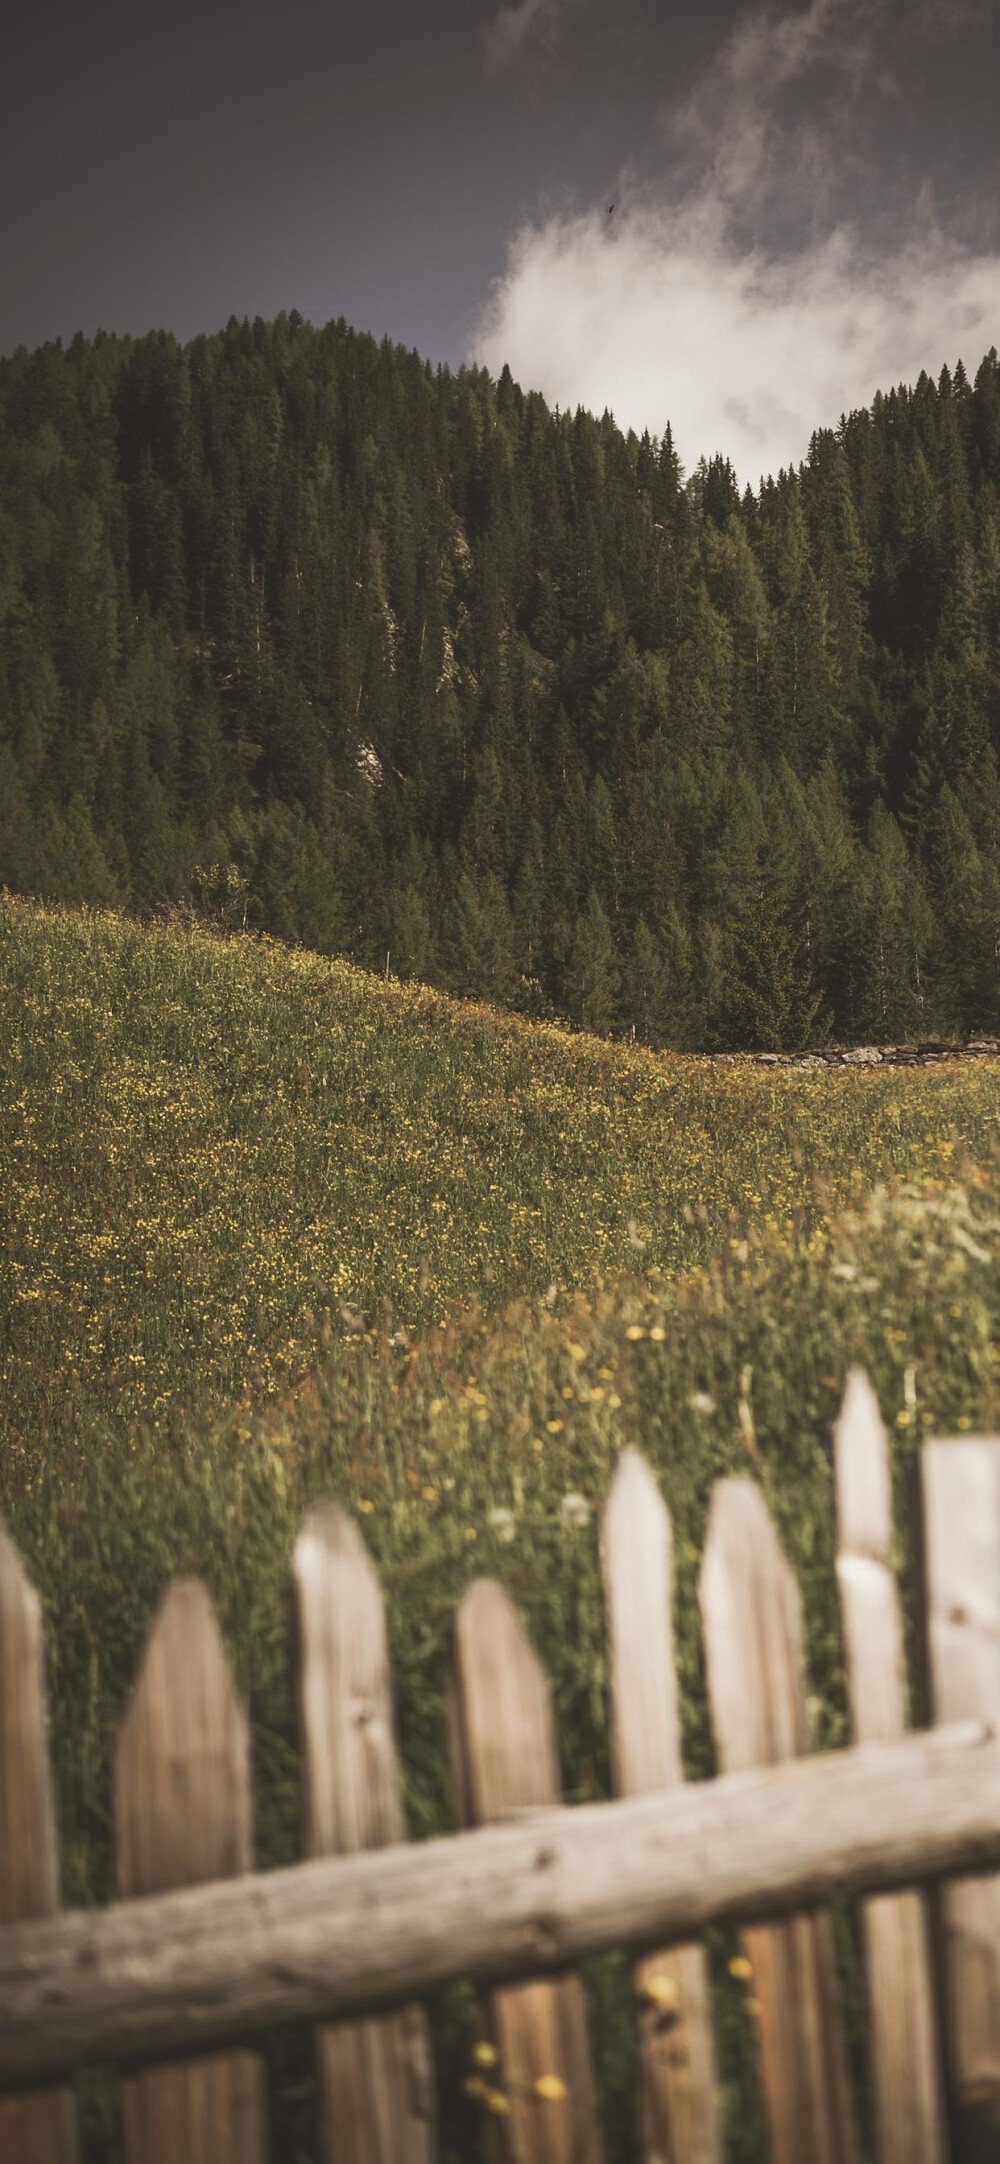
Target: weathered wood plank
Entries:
(508, 1750)
(680, 2112)
(341, 1937)
(753, 1642)
(961, 1484)
(182, 1815)
(909, 2109)
(376, 2079)
(33, 2129)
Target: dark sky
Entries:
(173, 169)
(378, 162)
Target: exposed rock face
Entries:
(873, 1055)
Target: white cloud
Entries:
(740, 297)
(527, 28)
(662, 320)
(748, 133)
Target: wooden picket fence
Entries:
(166, 1975)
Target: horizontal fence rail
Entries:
(182, 1973)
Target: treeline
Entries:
(298, 631)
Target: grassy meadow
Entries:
(274, 1229)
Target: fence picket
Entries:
(753, 1642)
(506, 1743)
(961, 1487)
(376, 2081)
(182, 1812)
(679, 2099)
(33, 2129)
(906, 2077)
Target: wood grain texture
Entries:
(376, 2079)
(182, 1815)
(507, 1745)
(961, 1487)
(753, 1642)
(909, 2107)
(680, 2114)
(344, 1936)
(33, 2129)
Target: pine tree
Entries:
(964, 955)
(644, 982)
(769, 1003)
(482, 939)
(412, 948)
(895, 938)
(592, 978)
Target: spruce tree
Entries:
(592, 978)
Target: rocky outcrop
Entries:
(873, 1055)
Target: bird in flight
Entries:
(611, 210)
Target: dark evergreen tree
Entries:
(768, 1002)
(592, 978)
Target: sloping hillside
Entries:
(220, 1149)
(222, 1160)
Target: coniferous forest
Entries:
(299, 632)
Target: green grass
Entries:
(211, 1149)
